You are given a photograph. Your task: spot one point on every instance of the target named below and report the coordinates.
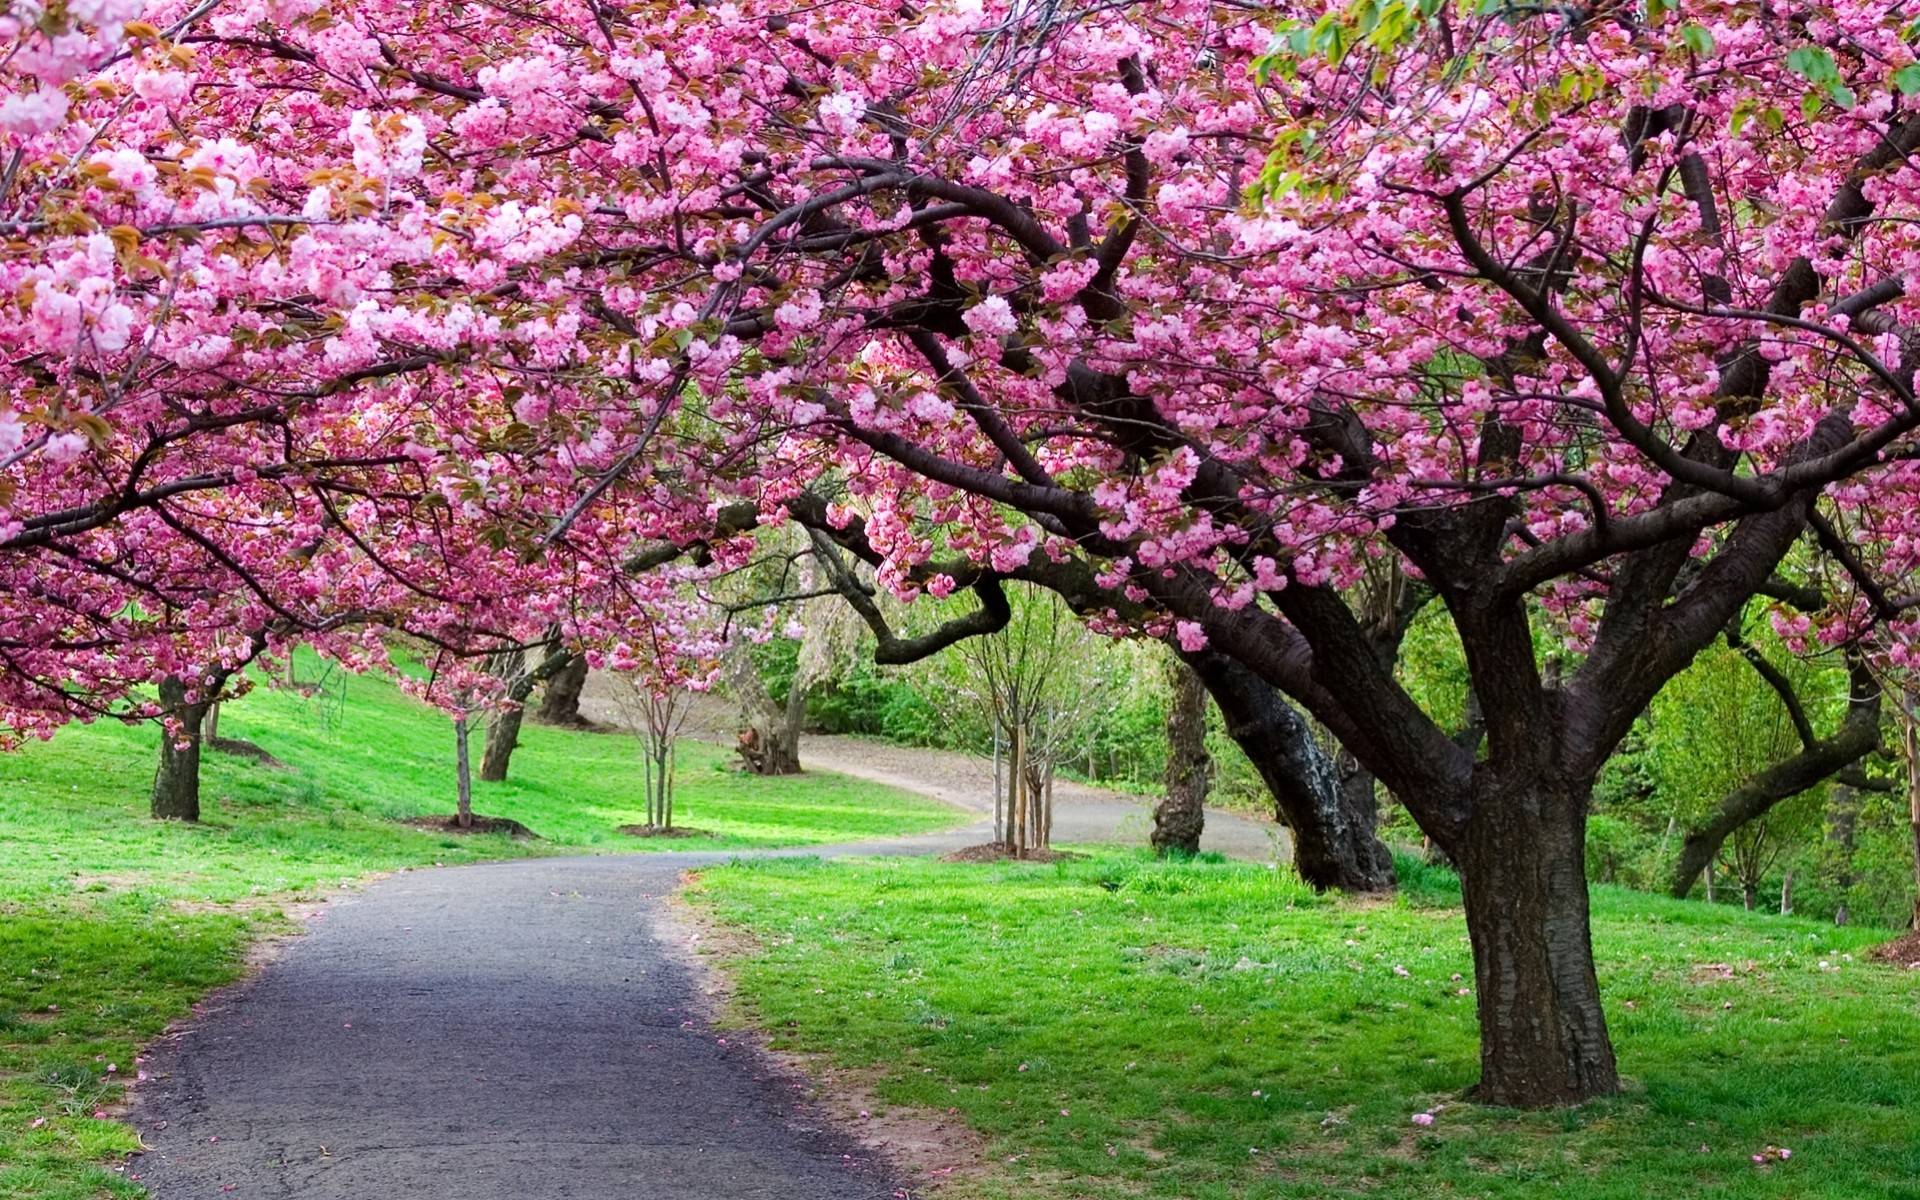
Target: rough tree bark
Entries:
(503, 730)
(176, 784)
(1334, 839)
(770, 744)
(1523, 877)
(503, 738)
(1181, 813)
(561, 703)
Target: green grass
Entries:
(112, 925)
(1125, 1028)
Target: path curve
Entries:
(1082, 815)
(531, 1030)
(511, 1031)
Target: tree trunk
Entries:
(999, 794)
(770, 744)
(1910, 742)
(1334, 843)
(1543, 1034)
(463, 779)
(176, 785)
(1786, 893)
(1181, 813)
(561, 703)
(1843, 816)
(503, 737)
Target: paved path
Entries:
(525, 1031)
(1082, 815)
(516, 1031)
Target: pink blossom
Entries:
(992, 317)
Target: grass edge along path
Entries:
(1119, 1027)
(112, 926)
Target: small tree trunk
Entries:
(1749, 893)
(1543, 1034)
(1786, 894)
(561, 703)
(1910, 739)
(1019, 838)
(176, 784)
(666, 781)
(503, 737)
(463, 778)
(210, 727)
(999, 824)
(1842, 822)
(1037, 788)
(1181, 814)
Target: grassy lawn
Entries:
(1124, 1028)
(112, 925)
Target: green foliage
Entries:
(875, 702)
(1433, 667)
(1119, 697)
(1120, 1028)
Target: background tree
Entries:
(186, 703)
(1744, 737)
(658, 713)
(520, 671)
(1037, 681)
(560, 701)
(1180, 816)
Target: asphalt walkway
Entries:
(528, 1031)
(513, 1031)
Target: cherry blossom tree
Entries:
(1584, 316)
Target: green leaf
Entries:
(1842, 95)
(1814, 64)
(1907, 79)
(1697, 39)
(1810, 105)
(1742, 113)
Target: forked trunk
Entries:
(503, 737)
(176, 785)
(1334, 840)
(1543, 1034)
(561, 703)
(770, 744)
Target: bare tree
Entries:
(1037, 682)
(659, 716)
